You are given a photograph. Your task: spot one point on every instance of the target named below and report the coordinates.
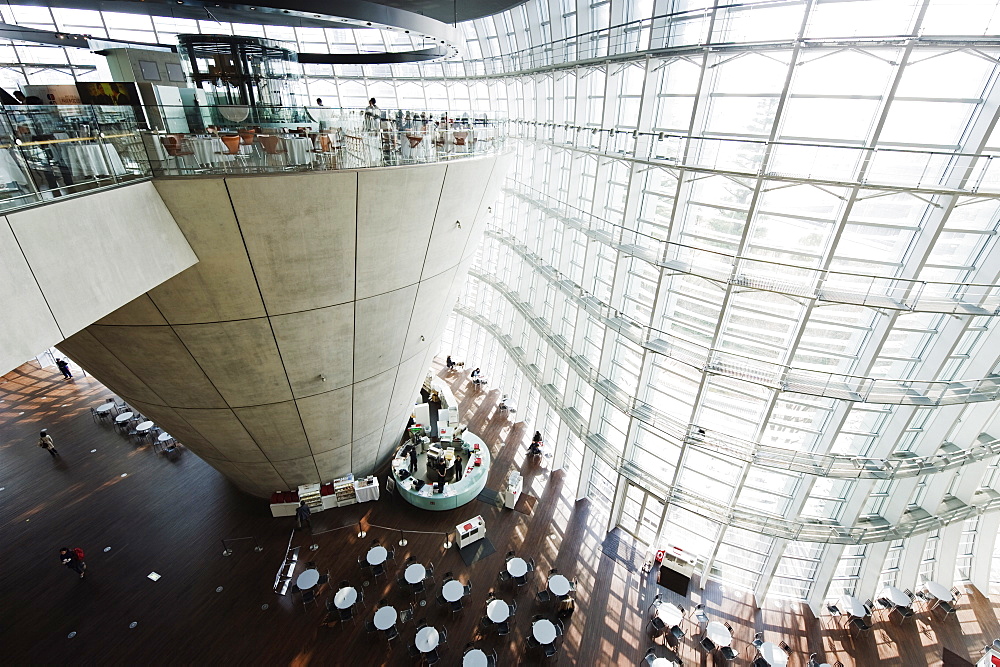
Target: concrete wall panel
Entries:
(305, 361)
(126, 241)
(276, 428)
(240, 383)
(221, 285)
(241, 360)
(300, 231)
(395, 215)
(327, 418)
(158, 357)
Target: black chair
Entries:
(443, 635)
(432, 658)
(729, 653)
(531, 564)
(456, 605)
(370, 626)
(392, 633)
(492, 659)
(543, 595)
(510, 554)
(430, 571)
(785, 647)
(512, 605)
(947, 606)
(654, 604)
(406, 615)
(521, 581)
(650, 656)
(550, 650)
(503, 628)
(418, 588)
(503, 576)
(468, 589)
(532, 642)
(677, 633)
(707, 645)
(378, 570)
(323, 578)
(307, 597)
(440, 600)
(412, 650)
(421, 624)
(760, 662)
(861, 625)
(658, 626)
(347, 614)
(448, 576)
(905, 613)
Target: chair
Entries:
(430, 571)
(550, 650)
(861, 625)
(707, 645)
(323, 578)
(908, 593)
(758, 641)
(948, 607)
(347, 614)
(456, 605)
(370, 626)
(406, 615)
(491, 658)
(468, 589)
(531, 565)
(543, 595)
(503, 577)
(957, 593)
(392, 633)
(560, 628)
(699, 613)
(510, 554)
(785, 647)
(532, 642)
(378, 570)
(650, 656)
(443, 635)
(503, 628)
(657, 601)
(904, 613)
(432, 657)
(729, 653)
(512, 605)
(760, 662)
(418, 588)
(440, 599)
(521, 581)
(448, 576)
(412, 650)
(677, 633)
(272, 147)
(307, 597)
(391, 555)
(421, 624)
(658, 625)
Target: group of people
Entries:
(417, 134)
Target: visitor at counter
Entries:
(411, 451)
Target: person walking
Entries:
(64, 367)
(73, 559)
(302, 515)
(45, 442)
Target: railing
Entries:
(748, 272)
(53, 151)
(805, 530)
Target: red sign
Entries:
(995, 660)
(467, 526)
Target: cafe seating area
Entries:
(134, 426)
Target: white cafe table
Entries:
(345, 597)
(773, 654)
(559, 585)
(209, 150)
(663, 662)
(377, 555)
(123, 417)
(453, 590)
(10, 170)
(415, 573)
(298, 150)
(144, 426)
(85, 160)
(498, 611)
(308, 579)
(427, 639)
(366, 493)
(543, 631)
(516, 567)
(939, 592)
(853, 606)
(719, 633)
(385, 617)
(163, 437)
(670, 614)
(896, 596)
(104, 408)
(475, 658)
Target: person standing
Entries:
(302, 514)
(45, 442)
(319, 102)
(64, 367)
(372, 115)
(73, 559)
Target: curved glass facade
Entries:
(743, 275)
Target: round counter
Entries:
(454, 494)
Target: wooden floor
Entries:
(135, 512)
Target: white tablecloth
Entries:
(853, 606)
(299, 150)
(427, 639)
(345, 597)
(453, 590)
(498, 611)
(144, 426)
(164, 437)
(377, 555)
(414, 573)
(385, 618)
(773, 654)
(366, 493)
(206, 150)
(307, 579)
(938, 591)
(10, 170)
(475, 658)
(86, 160)
(105, 408)
(559, 585)
(670, 614)
(719, 633)
(544, 631)
(896, 596)
(123, 417)
(516, 567)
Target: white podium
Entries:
(513, 489)
(469, 531)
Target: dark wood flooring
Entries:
(170, 517)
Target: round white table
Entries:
(559, 585)
(498, 611)
(345, 597)
(307, 579)
(853, 606)
(427, 639)
(376, 555)
(896, 596)
(663, 662)
(453, 590)
(163, 437)
(104, 408)
(773, 654)
(414, 573)
(516, 567)
(209, 150)
(123, 417)
(670, 614)
(144, 426)
(939, 591)
(544, 631)
(86, 160)
(475, 658)
(385, 618)
(719, 633)
(298, 150)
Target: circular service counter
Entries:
(420, 489)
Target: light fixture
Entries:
(402, 539)
(361, 531)
(447, 541)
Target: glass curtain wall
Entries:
(746, 291)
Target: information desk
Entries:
(455, 494)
